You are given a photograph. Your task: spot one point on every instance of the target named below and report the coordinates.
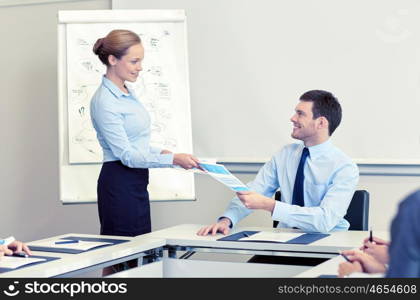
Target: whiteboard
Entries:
(163, 88)
(251, 60)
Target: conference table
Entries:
(168, 253)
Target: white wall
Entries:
(29, 153)
(250, 60)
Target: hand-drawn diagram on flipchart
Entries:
(157, 87)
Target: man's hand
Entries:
(377, 241)
(369, 263)
(378, 248)
(223, 226)
(379, 252)
(347, 268)
(254, 200)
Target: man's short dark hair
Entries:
(325, 104)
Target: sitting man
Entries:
(403, 253)
(372, 258)
(316, 179)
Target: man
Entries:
(403, 255)
(316, 180)
(371, 258)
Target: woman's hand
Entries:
(186, 161)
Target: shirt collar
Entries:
(320, 149)
(113, 88)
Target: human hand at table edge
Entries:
(347, 268)
(222, 226)
(368, 263)
(14, 247)
(378, 251)
(377, 241)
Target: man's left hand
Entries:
(254, 200)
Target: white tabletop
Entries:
(73, 262)
(186, 235)
(329, 267)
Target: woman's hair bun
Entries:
(98, 45)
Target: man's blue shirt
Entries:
(330, 181)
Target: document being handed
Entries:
(221, 174)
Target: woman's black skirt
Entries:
(123, 200)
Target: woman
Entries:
(123, 130)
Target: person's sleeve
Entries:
(332, 209)
(365, 275)
(155, 150)
(404, 251)
(265, 183)
(111, 127)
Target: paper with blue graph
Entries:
(221, 174)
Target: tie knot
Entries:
(305, 152)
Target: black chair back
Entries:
(358, 211)
(277, 197)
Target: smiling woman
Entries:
(122, 125)
(123, 130)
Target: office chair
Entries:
(357, 213)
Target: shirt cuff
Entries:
(227, 217)
(281, 212)
(155, 150)
(166, 159)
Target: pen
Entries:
(20, 254)
(345, 257)
(370, 235)
(66, 242)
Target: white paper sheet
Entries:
(272, 236)
(81, 245)
(12, 262)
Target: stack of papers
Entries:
(12, 262)
(282, 237)
(221, 174)
(80, 245)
